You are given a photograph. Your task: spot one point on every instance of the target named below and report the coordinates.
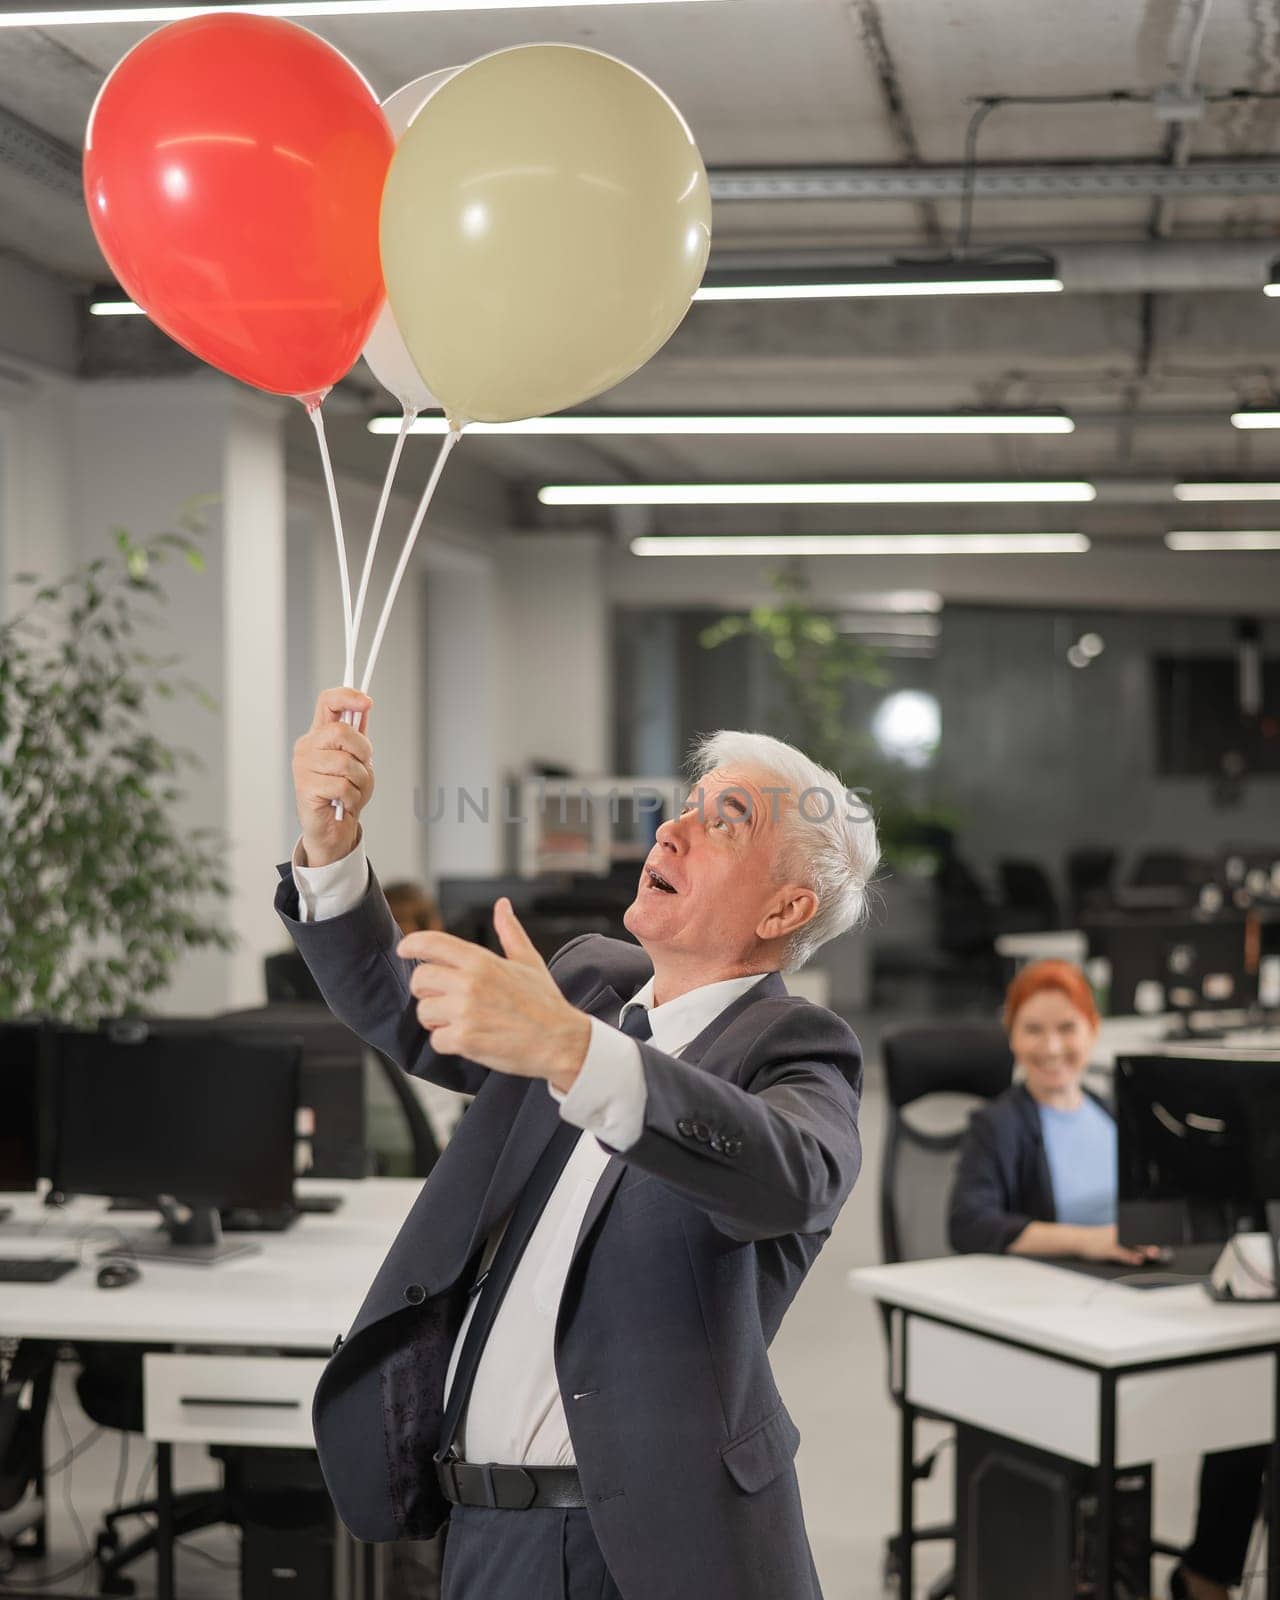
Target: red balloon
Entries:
(233, 172)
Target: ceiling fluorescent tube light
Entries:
(1255, 419)
(299, 10)
(858, 544)
(884, 282)
(1226, 491)
(115, 308)
(811, 494)
(1233, 540)
(617, 425)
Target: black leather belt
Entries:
(466, 1483)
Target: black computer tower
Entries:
(1026, 1524)
(286, 1526)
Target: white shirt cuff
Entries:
(608, 1096)
(330, 891)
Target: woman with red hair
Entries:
(1037, 1177)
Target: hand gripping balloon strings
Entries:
(406, 550)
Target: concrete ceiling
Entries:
(1150, 376)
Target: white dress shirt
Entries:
(515, 1414)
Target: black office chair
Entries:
(1028, 903)
(935, 1078)
(288, 977)
(1170, 869)
(328, 1048)
(1090, 873)
(28, 1369)
(109, 1387)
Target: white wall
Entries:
(466, 687)
(37, 427)
(557, 676)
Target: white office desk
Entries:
(1096, 1372)
(302, 1289)
(1129, 1036)
(299, 1291)
(1062, 944)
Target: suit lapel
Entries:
(530, 1134)
(768, 987)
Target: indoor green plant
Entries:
(100, 892)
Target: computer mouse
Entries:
(117, 1274)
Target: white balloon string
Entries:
(351, 718)
(348, 637)
(317, 420)
(406, 422)
(450, 439)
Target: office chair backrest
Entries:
(936, 1077)
(1025, 886)
(287, 978)
(1170, 869)
(1090, 872)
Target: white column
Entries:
(465, 695)
(555, 652)
(256, 775)
(144, 450)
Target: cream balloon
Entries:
(385, 353)
(545, 223)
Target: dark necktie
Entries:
(492, 1286)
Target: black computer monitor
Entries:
(1178, 965)
(197, 1120)
(1198, 1146)
(20, 1045)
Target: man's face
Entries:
(709, 881)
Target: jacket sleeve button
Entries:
(701, 1132)
(415, 1294)
(684, 1128)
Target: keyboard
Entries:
(35, 1269)
(1190, 1263)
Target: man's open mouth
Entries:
(657, 881)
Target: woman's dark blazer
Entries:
(1002, 1181)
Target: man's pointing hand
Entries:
(506, 1014)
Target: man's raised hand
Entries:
(333, 761)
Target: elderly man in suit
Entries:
(565, 1352)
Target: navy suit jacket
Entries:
(686, 1261)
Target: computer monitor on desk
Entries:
(196, 1120)
(20, 1163)
(1199, 1145)
(1191, 967)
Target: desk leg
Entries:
(906, 1502)
(1272, 1587)
(1105, 1553)
(164, 1530)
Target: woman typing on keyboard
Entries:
(1037, 1177)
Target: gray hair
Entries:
(828, 841)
